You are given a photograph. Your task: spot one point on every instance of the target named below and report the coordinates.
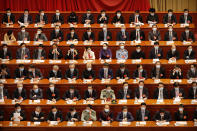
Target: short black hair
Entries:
(17, 105)
(170, 10)
(137, 11)
(8, 9)
(156, 43)
(4, 45)
(122, 65)
(90, 106)
(124, 107)
(186, 10)
(72, 28)
(26, 10)
(143, 103)
(152, 10)
(53, 107)
(161, 110)
(21, 65)
(40, 28)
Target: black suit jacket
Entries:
(176, 75)
(181, 90)
(155, 56)
(137, 92)
(38, 74)
(5, 76)
(106, 116)
(70, 56)
(119, 36)
(161, 72)
(173, 19)
(29, 19)
(136, 74)
(88, 95)
(69, 116)
(102, 20)
(39, 116)
(69, 37)
(22, 114)
(170, 55)
(75, 74)
(195, 115)
(67, 95)
(167, 36)
(157, 116)
(132, 18)
(8, 54)
(116, 19)
(182, 19)
(72, 19)
(85, 36)
(191, 36)
(101, 36)
(24, 73)
(121, 94)
(88, 74)
(192, 55)
(23, 94)
(45, 19)
(180, 117)
(58, 74)
(5, 93)
(39, 94)
(139, 115)
(59, 35)
(133, 35)
(1, 115)
(121, 74)
(55, 20)
(137, 55)
(156, 93)
(191, 93)
(84, 17)
(35, 55)
(57, 116)
(50, 94)
(5, 18)
(153, 18)
(52, 55)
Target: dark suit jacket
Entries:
(156, 93)
(55, 20)
(139, 115)
(85, 36)
(33, 114)
(70, 55)
(101, 73)
(181, 90)
(157, 116)
(21, 37)
(19, 53)
(121, 94)
(195, 115)
(23, 94)
(35, 55)
(8, 54)
(191, 36)
(58, 75)
(88, 74)
(136, 74)
(67, 94)
(5, 76)
(39, 94)
(72, 19)
(179, 117)
(170, 55)
(137, 55)
(191, 74)
(59, 35)
(144, 91)
(101, 36)
(75, 74)
(155, 56)
(29, 19)
(52, 55)
(191, 93)
(106, 116)
(84, 17)
(161, 71)
(88, 95)
(116, 19)
(119, 36)
(192, 55)
(154, 18)
(1, 115)
(69, 116)
(50, 94)
(157, 35)
(182, 19)
(102, 20)
(120, 117)
(45, 19)
(167, 36)
(132, 18)
(122, 75)
(5, 18)
(133, 35)
(176, 75)
(22, 114)
(5, 93)
(72, 38)
(38, 74)
(173, 19)
(57, 116)
(20, 75)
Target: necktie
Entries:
(138, 36)
(1, 94)
(169, 19)
(71, 74)
(141, 94)
(140, 74)
(157, 73)
(21, 73)
(156, 52)
(177, 92)
(23, 54)
(33, 74)
(170, 36)
(160, 94)
(41, 18)
(136, 19)
(57, 18)
(105, 36)
(143, 114)
(194, 93)
(8, 19)
(125, 94)
(185, 19)
(187, 36)
(5, 52)
(106, 73)
(39, 55)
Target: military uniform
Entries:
(107, 94)
(86, 116)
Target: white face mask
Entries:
(125, 87)
(123, 30)
(173, 49)
(152, 14)
(57, 14)
(137, 29)
(89, 33)
(39, 32)
(169, 14)
(25, 15)
(170, 29)
(118, 14)
(71, 91)
(18, 110)
(71, 49)
(143, 108)
(140, 87)
(52, 88)
(158, 66)
(72, 33)
(72, 69)
(187, 31)
(54, 112)
(103, 14)
(8, 14)
(154, 29)
(180, 109)
(105, 48)
(106, 110)
(121, 47)
(20, 88)
(189, 50)
(1, 87)
(89, 90)
(156, 47)
(36, 90)
(5, 49)
(23, 48)
(57, 30)
(42, 14)
(138, 50)
(22, 31)
(125, 112)
(89, 69)
(185, 13)
(104, 29)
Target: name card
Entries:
(38, 61)
(53, 123)
(88, 102)
(180, 123)
(157, 80)
(50, 102)
(194, 101)
(105, 123)
(72, 42)
(162, 123)
(70, 102)
(159, 101)
(190, 61)
(38, 42)
(87, 25)
(124, 123)
(36, 123)
(169, 42)
(141, 123)
(3, 81)
(102, 42)
(26, 42)
(120, 61)
(118, 42)
(121, 80)
(70, 123)
(118, 25)
(136, 61)
(123, 101)
(155, 60)
(184, 25)
(187, 42)
(105, 80)
(87, 80)
(87, 123)
(177, 100)
(55, 61)
(23, 61)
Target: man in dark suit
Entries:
(106, 114)
(143, 114)
(8, 17)
(102, 18)
(23, 35)
(125, 92)
(72, 18)
(21, 72)
(1, 115)
(141, 92)
(176, 73)
(185, 18)
(3, 92)
(40, 36)
(105, 72)
(53, 93)
(140, 73)
(90, 94)
(124, 115)
(72, 36)
(88, 18)
(58, 18)
(177, 92)
(181, 114)
(169, 18)
(154, 34)
(152, 17)
(5, 53)
(34, 72)
(4, 72)
(88, 73)
(72, 94)
(162, 115)
(122, 72)
(195, 115)
(137, 34)
(118, 18)
(41, 18)
(122, 35)
(55, 115)
(160, 92)
(55, 73)
(192, 72)
(72, 115)
(19, 93)
(55, 53)
(72, 53)
(72, 72)
(138, 53)
(18, 110)
(105, 34)
(189, 53)
(136, 18)
(57, 34)
(25, 18)
(36, 93)
(173, 53)
(187, 35)
(39, 53)
(23, 52)
(158, 72)
(193, 91)
(170, 35)
(156, 52)
(37, 115)
(88, 35)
